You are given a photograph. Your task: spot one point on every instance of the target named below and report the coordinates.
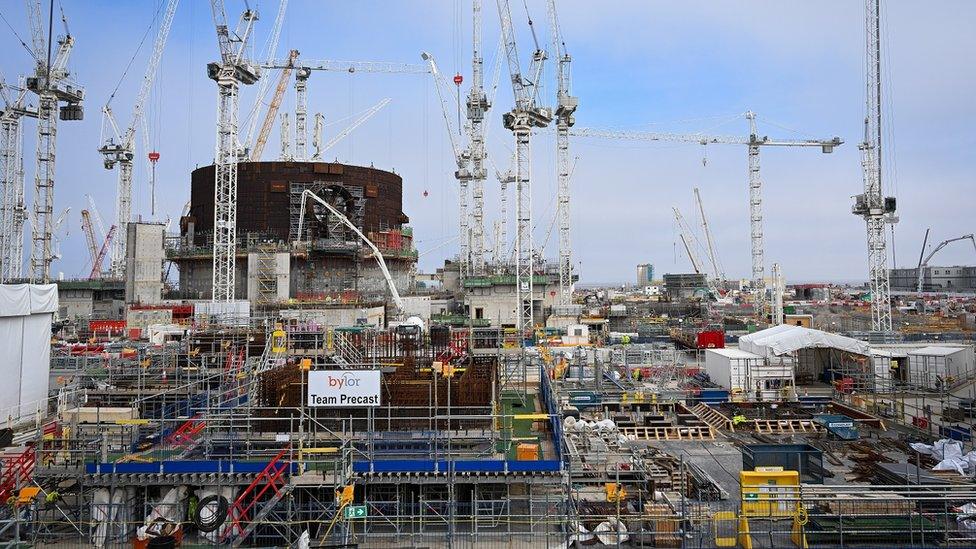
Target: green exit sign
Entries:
(355, 512)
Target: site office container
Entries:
(743, 373)
(935, 366)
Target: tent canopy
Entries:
(785, 339)
(28, 299)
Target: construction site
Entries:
(278, 367)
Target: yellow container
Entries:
(770, 492)
(527, 452)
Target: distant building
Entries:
(935, 279)
(645, 274)
(684, 285)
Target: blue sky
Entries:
(668, 66)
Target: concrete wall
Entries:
(282, 276)
(75, 304)
(498, 303)
(144, 263)
(935, 279)
(337, 317)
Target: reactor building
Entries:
(327, 262)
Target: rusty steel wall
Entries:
(263, 197)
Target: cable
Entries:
(19, 39)
(216, 519)
(134, 54)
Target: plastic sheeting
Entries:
(28, 299)
(26, 313)
(950, 456)
(785, 339)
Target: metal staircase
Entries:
(257, 500)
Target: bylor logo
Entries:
(346, 380)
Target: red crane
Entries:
(97, 266)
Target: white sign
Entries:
(344, 388)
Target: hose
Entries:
(216, 519)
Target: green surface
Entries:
(512, 404)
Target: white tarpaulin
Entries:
(26, 312)
(785, 339)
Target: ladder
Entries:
(251, 506)
(17, 470)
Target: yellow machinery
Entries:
(771, 493)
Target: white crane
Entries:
(13, 211)
(232, 71)
(712, 254)
(753, 142)
(566, 105)
(876, 209)
(688, 239)
(303, 70)
(462, 174)
(525, 116)
(317, 144)
(923, 263)
(265, 83)
(52, 84)
(779, 286)
(120, 146)
(477, 108)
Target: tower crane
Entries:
(753, 142)
(565, 118)
(120, 147)
(525, 116)
(229, 73)
(462, 174)
(923, 263)
(269, 117)
(477, 108)
(13, 212)
(53, 85)
(876, 209)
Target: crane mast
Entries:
(232, 70)
(525, 116)
(121, 149)
(13, 212)
(301, 113)
(52, 85)
(872, 204)
(462, 174)
(477, 106)
(756, 222)
(565, 110)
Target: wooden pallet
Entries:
(712, 417)
(786, 426)
(669, 433)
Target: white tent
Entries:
(786, 339)
(26, 312)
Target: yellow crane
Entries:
(273, 107)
